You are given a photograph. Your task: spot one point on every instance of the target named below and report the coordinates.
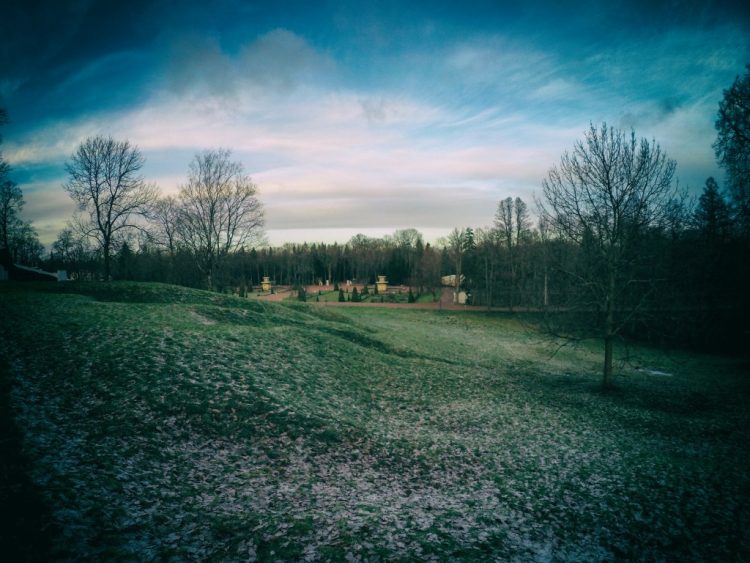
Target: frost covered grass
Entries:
(167, 423)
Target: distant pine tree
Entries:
(355, 296)
(411, 298)
(302, 295)
(341, 296)
(365, 291)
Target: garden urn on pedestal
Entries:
(382, 284)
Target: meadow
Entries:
(160, 422)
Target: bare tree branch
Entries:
(218, 210)
(105, 182)
(604, 196)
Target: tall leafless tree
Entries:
(105, 182)
(219, 210)
(165, 216)
(456, 245)
(513, 226)
(11, 198)
(487, 246)
(11, 202)
(17, 237)
(603, 197)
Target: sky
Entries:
(361, 117)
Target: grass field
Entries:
(165, 423)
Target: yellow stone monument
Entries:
(382, 284)
(265, 284)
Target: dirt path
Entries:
(281, 295)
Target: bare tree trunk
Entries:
(511, 296)
(609, 341)
(210, 275)
(107, 261)
(488, 281)
(609, 331)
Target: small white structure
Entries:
(266, 284)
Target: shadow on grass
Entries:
(25, 521)
(666, 408)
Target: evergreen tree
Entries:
(125, 262)
(411, 298)
(302, 295)
(342, 299)
(712, 215)
(355, 296)
(732, 147)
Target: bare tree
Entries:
(25, 247)
(17, 237)
(11, 202)
(111, 194)
(603, 198)
(219, 210)
(428, 269)
(11, 198)
(165, 215)
(456, 245)
(487, 242)
(513, 226)
(409, 244)
(68, 247)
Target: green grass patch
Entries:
(428, 298)
(168, 423)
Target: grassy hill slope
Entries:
(162, 422)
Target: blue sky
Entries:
(361, 116)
